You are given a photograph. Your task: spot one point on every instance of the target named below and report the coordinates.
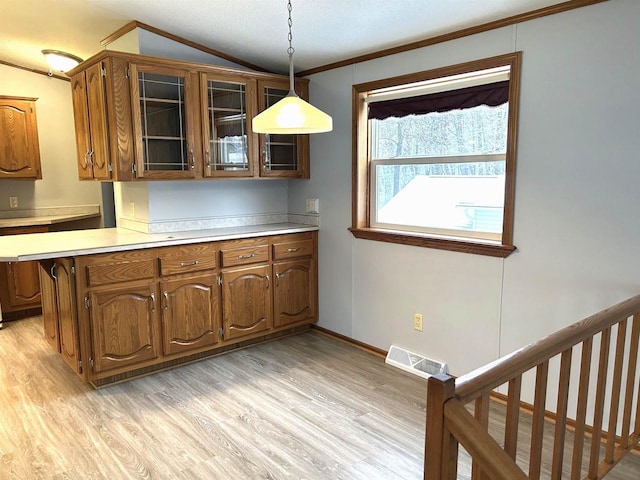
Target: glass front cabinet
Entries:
(171, 119)
(163, 112)
(284, 156)
(227, 110)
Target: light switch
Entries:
(313, 205)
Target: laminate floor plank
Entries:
(301, 407)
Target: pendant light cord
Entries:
(290, 51)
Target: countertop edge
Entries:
(159, 243)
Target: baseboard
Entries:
(343, 338)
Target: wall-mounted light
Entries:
(61, 61)
(292, 115)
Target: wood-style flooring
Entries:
(302, 407)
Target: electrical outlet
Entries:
(313, 205)
(417, 322)
(13, 202)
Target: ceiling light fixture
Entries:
(292, 115)
(61, 61)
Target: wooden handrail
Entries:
(494, 374)
(495, 462)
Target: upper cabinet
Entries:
(163, 107)
(102, 114)
(145, 118)
(19, 148)
(227, 108)
(283, 156)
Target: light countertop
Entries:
(40, 246)
(44, 220)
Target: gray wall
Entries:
(576, 219)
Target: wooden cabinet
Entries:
(123, 326)
(102, 116)
(295, 293)
(164, 115)
(155, 119)
(190, 313)
(69, 337)
(282, 156)
(19, 147)
(246, 297)
(228, 105)
(191, 306)
(49, 304)
(20, 281)
(137, 311)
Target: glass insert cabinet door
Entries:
(228, 140)
(162, 106)
(281, 155)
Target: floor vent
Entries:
(414, 362)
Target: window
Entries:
(434, 157)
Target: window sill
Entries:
(416, 240)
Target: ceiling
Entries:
(324, 31)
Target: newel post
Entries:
(441, 388)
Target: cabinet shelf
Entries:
(161, 100)
(160, 137)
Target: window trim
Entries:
(361, 166)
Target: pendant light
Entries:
(292, 115)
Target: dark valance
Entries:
(491, 94)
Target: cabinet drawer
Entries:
(245, 255)
(296, 248)
(119, 272)
(187, 258)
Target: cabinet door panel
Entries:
(162, 106)
(99, 153)
(49, 305)
(123, 326)
(81, 122)
(190, 313)
(67, 314)
(294, 292)
(24, 284)
(247, 306)
(20, 156)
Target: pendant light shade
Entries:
(61, 61)
(292, 115)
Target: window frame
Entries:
(361, 226)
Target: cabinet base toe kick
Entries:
(121, 315)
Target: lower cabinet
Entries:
(247, 306)
(112, 314)
(123, 327)
(190, 313)
(67, 313)
(20, 281)
(294, 297)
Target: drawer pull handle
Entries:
(292, 250)
(153, 302)
(165, 294)
(244, 257)
(189, 264)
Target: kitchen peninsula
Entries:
(119, 303)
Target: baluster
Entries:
(561, 415)
(603, 364)
(512, 420)
(537, 430)
(631, 380)
(482, 416)
(615, 390)
(581, 412)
